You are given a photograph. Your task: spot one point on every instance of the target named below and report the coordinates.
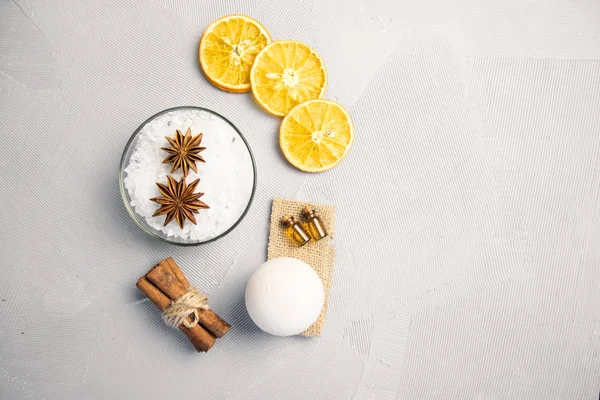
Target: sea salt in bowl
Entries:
(227, 178)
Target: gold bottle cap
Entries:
(308, 212)
(288, 220)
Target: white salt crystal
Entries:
(227, 177)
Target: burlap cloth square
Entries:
(319, 255)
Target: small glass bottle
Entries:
(316, 227)
(295, 231)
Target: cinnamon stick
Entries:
(163, 276)
(213, 323)
(166, 282)
(200, 338)
(208, 318)
(175, 270)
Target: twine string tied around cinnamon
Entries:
(186, 305)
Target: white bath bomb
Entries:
(284, 296)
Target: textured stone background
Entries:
(468, 209)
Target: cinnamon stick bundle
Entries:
(165, 283)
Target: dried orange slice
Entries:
(285, 74)
(316, 135)
(227, 51)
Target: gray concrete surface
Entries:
(469, 207)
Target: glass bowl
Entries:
(232, 183)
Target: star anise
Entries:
(178, 201)
(183, 152)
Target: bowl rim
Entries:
(123, 190)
